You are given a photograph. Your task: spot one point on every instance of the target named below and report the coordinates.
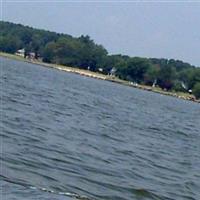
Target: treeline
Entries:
(83, 52)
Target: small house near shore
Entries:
(20, 52)
(31, 55)
(28, 55)
(113, 72)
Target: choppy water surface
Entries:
(67, 133)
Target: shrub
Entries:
(196, 90)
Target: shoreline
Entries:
(100, 76)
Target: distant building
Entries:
(31, 55)
(28, 55)
(100, 69)
(184, 85)
(113, 71)
(20, 52)
(154, 83)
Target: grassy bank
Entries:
(97, 75)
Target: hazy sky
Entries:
(146, 29)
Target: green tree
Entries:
(167, 77)
(196, 90)
(151, 74)
(90, 54)
(134, 69)
(9, 44)
(48, 52)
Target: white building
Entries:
(113, 71)
(20, 52)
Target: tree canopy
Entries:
(196, 90)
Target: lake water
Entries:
(91, 138)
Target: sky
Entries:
(159, 29)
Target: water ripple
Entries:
(68, 136)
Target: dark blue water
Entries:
(62, 132)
